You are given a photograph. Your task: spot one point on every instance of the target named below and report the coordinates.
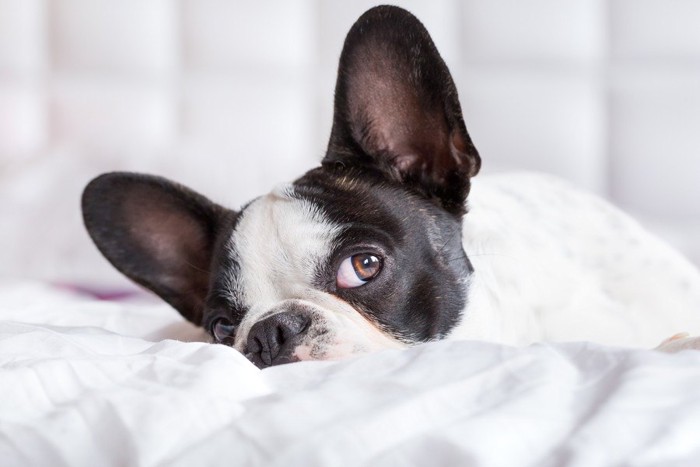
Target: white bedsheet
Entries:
(84, 383)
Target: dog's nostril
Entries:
(254, 345)
(272, 340)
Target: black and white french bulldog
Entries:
(376, 248)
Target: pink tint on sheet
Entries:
(106, 294)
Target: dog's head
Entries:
(361, 253)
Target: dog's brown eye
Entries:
(356, 270)
(224, 331)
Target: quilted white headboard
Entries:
(232, 97)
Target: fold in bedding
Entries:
(84, 382)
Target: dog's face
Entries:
(362, 253)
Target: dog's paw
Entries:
(678, 342)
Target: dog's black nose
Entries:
(272, 340)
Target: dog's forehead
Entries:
(278, 244)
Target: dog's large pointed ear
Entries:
(156, 232)
(397, 109)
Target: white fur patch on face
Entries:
(279, 244)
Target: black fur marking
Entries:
(420, 293)
(224, 298)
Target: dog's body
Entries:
(373, 249)
(559, 264)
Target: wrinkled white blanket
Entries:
(85, 383)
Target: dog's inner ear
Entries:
(158, 233)
(397, 109)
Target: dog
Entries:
(390, 242)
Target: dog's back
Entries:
(555, 263)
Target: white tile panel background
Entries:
(233, 97)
